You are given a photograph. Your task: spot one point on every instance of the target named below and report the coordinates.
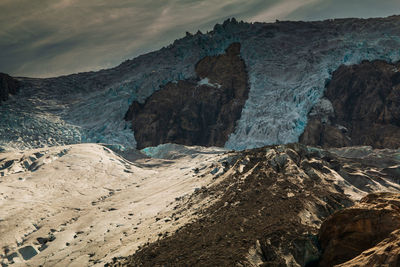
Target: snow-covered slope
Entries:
(82, 205)
(288, 65)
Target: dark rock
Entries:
(27, 252)
(8, 85)
(42, 240)
(11, 257)
(246, 228)
(43, 247)
(194, 111)
(366, 108)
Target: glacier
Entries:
(289, 70)
(288, 65)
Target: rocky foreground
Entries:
(270, 206)
(366, 234)
(85, 205)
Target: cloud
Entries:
(281, 10)
(53, 37)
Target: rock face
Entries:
(386, 253)
(8, 86)
(268, 205)
(364, 108)
(192, 206)
(200, 111)
(358, 229)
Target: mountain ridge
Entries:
(241, 87)
(288, 64)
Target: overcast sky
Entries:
(43, 38)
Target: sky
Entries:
(47, 38)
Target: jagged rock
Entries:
(350, 232)
(8, 86)
(201, 111)
(366, 104)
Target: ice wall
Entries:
(289, 64)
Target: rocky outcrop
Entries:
(362, 234)
(269, 206)
(361, 107)
(8, 86)
(199, 111)
(386, 253)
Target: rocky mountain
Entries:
(201, 111)
(288, 65)
(361, 106)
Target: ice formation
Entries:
(174, 151)
(206, 81)
(288, 66)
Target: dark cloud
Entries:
(52, 37)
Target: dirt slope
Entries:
(272, 203)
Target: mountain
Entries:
(254, 144)
(201, 111)
(288, 65)
(361, 106)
